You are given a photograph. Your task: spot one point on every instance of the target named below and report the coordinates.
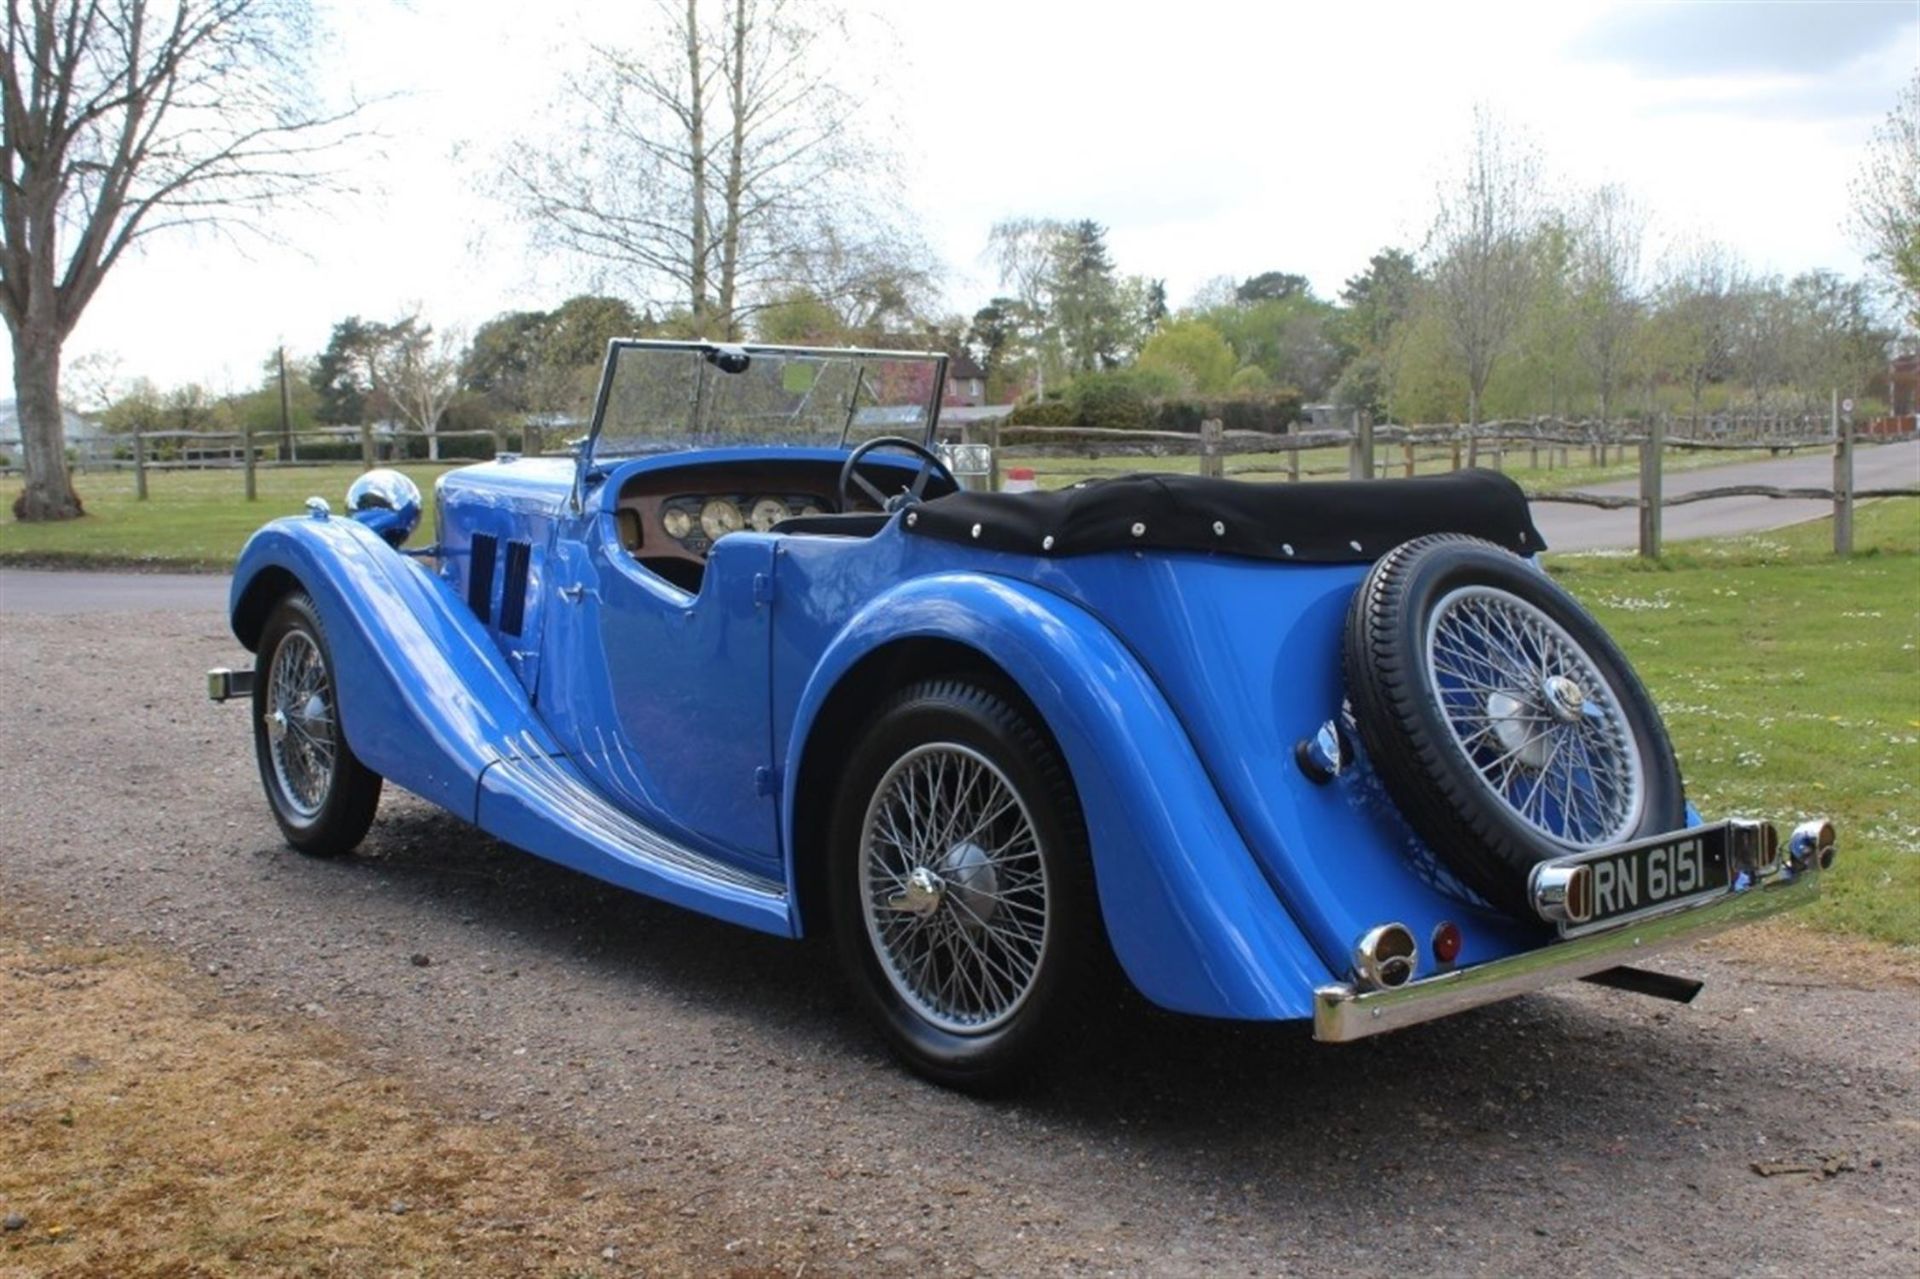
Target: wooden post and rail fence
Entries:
(1216, 451)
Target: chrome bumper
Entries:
(1343, 1011)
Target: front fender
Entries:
(426, 700)
(1192, 919)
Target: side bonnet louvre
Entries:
(513, 591)
(480, 575)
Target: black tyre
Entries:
(960, 887)
(323, 797)
(1505, 723)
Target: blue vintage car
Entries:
(1329, 752)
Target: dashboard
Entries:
(678, 513)
(695, 521)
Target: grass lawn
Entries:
(1791, 686)
(192, 520)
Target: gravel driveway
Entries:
(1584, 1132)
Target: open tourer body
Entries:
(1332, 752)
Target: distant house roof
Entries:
(960, 364)
(78, 428)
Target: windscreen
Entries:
(662, 397)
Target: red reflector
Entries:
(1446, 943)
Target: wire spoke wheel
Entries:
(953, 887)
(301, 740)
(1505, 723)
(1534, 716)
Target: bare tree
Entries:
(699, 165)
(1479, 250)
(1026, 252)
(420, 372)
(1886, 201)
(1699, 317)
(1607, 281)
(123, 118)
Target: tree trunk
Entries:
(736, 171)
(697, 157)
(49, 492)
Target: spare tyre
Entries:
(1504, 722)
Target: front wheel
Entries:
(322, 795)
(961, 889)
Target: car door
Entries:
(662, 697)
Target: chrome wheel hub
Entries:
(953, 888)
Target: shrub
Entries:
(1111, 401)
(1274, 411)
(1048, 412)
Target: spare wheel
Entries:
(1505, 723)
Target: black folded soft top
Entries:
(1317, 523)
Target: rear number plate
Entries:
(1656, 874)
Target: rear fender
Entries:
(426, 699)
(1191, 917)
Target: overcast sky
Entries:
(1211, 138)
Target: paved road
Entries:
(1584, 528)
(40, 591)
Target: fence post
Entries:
(1406, 448)
(1651, 450)
(366, 445)
(1293, 462)
(1456, 448)
(139, 465)
(1212, 464)
(1360, 451)
(246, 442)
(1842, 480)
(993, 447)
(500, 441)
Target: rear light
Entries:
(1562, 894)
(1446, 942)
(1386, 956)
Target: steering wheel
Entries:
(930, 465)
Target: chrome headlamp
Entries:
(387, 502)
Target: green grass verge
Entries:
(192, 520)
(1790, 683)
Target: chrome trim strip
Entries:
(1342, 1012)
(558, 790)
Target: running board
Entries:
(542, 803)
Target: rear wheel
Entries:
(322, 795)
(961, 891)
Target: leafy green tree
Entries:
(1088, 306)
(799, 317)
(1376, 302)
(1290, 338)
(503, 357)
(347, 374)
(1272, 286)
(1192, 351)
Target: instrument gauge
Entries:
(767, 512)
(677, 523)
(720, 517)
(810, 510)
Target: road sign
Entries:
(1846, 406)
